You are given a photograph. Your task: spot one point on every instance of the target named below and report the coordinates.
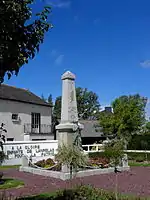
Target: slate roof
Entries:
(21, 95)
(89, 129)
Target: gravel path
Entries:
(136, 181)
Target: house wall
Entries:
(16, 129)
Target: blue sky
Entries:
(106, 43)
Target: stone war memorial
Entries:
(68, 133)
(68, 129)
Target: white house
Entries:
(25, 115)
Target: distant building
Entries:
(92, 132)
(107, 109)
(25, 115)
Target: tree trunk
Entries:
(71, 171)
(116, 187)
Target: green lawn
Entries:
(138, 164)
(11, 183)
(9, 166)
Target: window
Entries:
(10, 139)
(14, 117)
(36, 121)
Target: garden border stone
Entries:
(66, 176)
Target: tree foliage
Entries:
(71, 156)
(114, 152)
(2, 141)
(136, 143)
(55, 122)
(147, 127)
(20, 36)
(107, 123)
(50, 100)
(127, 118)
(43, 98)
(57, 108)
(87, 103)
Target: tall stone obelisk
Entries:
(68, 129)
(69, 103)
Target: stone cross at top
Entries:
(69, 103)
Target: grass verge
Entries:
(11, 183)
(138, 164)
(9, 166)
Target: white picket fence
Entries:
(98, 148)
(92, 148)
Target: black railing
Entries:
(37, 129)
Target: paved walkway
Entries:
(137, 182)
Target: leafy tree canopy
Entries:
(147, 126)
(20, 36)
(114, 151)
(50, 100)
(127, 118)
(87, 103)
(43, 98)
(57, 107)
(107, 123)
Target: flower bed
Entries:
(45, 163)
(98, 162)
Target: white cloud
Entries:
(148, 101)
(59, 3)
(145, 63)
(59, 59)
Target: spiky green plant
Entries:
(71, 156)
(114, 152)
(2, 141)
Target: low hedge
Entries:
(135, 143)
(138, 157)
(81, 193)
(95, 155)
